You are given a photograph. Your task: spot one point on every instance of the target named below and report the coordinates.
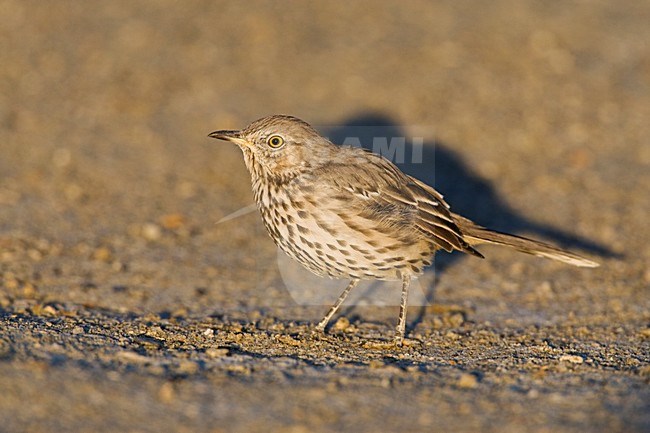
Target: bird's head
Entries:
(278, 146)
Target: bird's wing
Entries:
(381, 192)
(434, 217)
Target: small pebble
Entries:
(172, 221)
(151, 232)
(166, 393)
(216, 352)
(574, 359)
(102, 254)
(188, 367)
(129, 356)
(467, 380)
(29, 290)
(341, 324)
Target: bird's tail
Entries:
(475, 235)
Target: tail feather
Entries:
(475, 235)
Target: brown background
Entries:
(124, 307)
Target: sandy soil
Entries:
(124, 307)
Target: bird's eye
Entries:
(275, 141)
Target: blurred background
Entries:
(534, 117)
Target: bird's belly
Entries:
(322, 241)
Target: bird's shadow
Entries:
(434, 163)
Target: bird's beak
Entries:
(229, 135)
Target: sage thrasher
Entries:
(344, 212)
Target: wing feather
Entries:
(382, 193)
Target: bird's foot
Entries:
(321, 326)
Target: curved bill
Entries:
(228, 135)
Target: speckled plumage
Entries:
(344, 212)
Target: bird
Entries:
(347, 213)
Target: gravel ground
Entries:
(125, 307)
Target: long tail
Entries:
(475, 235)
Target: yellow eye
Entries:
(275, 141)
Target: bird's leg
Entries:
(401, 324)
(323, 323)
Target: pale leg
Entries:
(401, 324)
(323, 323)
